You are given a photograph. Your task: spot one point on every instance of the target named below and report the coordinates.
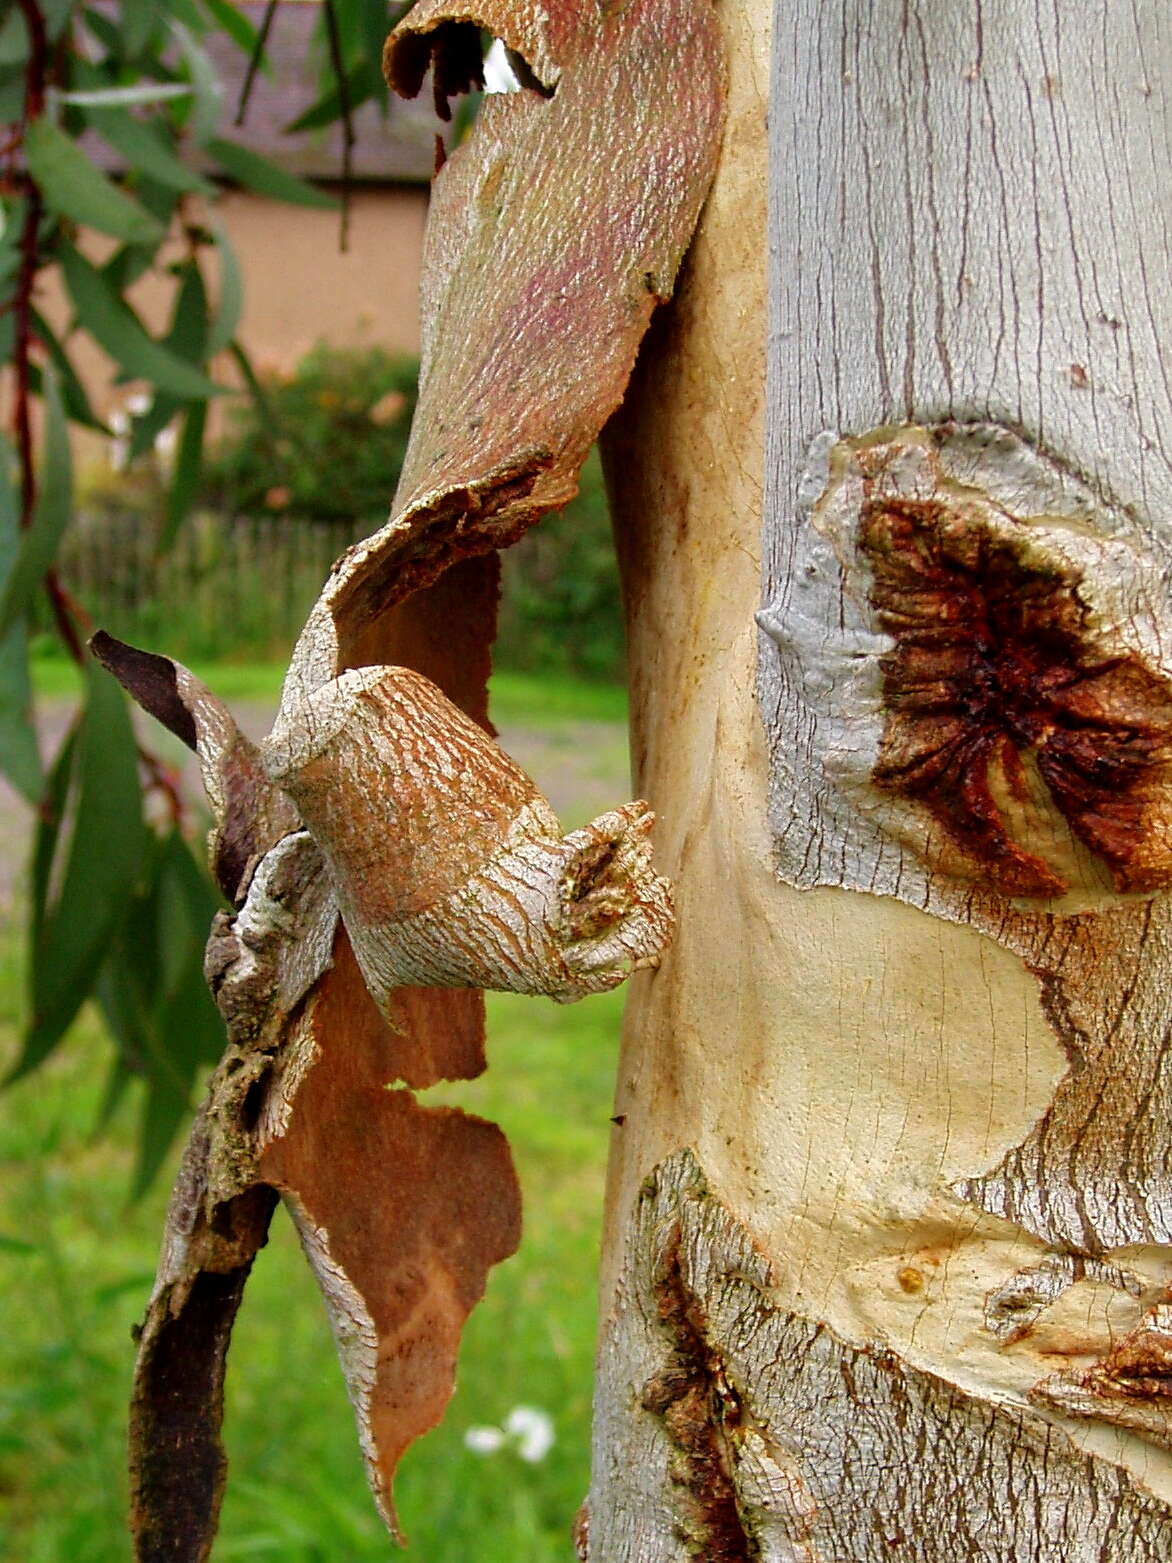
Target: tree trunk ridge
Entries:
(898, 1100)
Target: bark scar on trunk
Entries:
(1002, 668)
(700, 1410)
(1131, 1387)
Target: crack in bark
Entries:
(701, 1412)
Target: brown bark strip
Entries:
(402, 1255)
(554, 231)
(841, 1452)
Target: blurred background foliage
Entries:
(231, 490)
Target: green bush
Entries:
(284, 493)
(561, 611)
(329, 444)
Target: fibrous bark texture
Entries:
(913, 1026)
(384, 860)
(795, 1428)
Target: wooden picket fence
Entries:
(235, 588)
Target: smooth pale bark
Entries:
(890, 1209)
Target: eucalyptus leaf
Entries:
(113, 324)
(75, 187)
(95, 868)
(74, 396)
(137, 18)
(20, 756)
(265, 177)
(185, 479)
(38, 545)
(362, 83)
(222, 328)
(208, 105)
(13, 39)
(145, 150)
(187, 1032)
(234, 22)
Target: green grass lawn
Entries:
(76, 1265)
(516, 697)
(75, 1269)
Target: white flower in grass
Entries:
(527, 1429)
(533, 1430)
(484, 1440)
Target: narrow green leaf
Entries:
(105, 31)
(231, 297)
(145, 150)
(187, 333)
(260, 397)
(48, 833)
(11, 93)
(128, 263)
(362, 83)
(266, 178)
(187, 1031)
(115, 326)
(38, 547)
(137, 19)
(56, 13)
(165, 1107)
(13, 39)
(75, 187)
(118, 1081)
(208, 103)
(146, 427)
(186, 338)
(185, 479)
(73, 393)
(20, 756)
(101, 862)
(238, 26)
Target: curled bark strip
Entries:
(450, 867)
(249, 814)
(554, 231)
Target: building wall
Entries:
(299, 289)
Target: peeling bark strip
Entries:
(380, 767)
(835, 1452)
(554, 231)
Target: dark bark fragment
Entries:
(996, 656)
(699, 1410)
(177, 1463)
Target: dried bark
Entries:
(384, 859)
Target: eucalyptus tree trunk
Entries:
(889, 1234)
